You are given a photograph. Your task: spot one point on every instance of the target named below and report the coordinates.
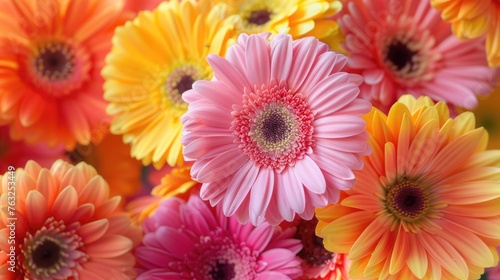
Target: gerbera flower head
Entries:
(154, 60)
(473, 19)
(403, 47)
(316, 261)
(195, 241)
(300, 18)
(17, 153)
(427, 203)
(277, 131)
(52, 55)
(66, 225)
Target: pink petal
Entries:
(239, 187)
(293, 190)
(257, 61)
(308, 172)
(260, 237)
(339, 126)
(281, 57)
(260, 195)
(222, 166)
(228, 74)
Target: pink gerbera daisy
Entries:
(66, 225)
(194, 241)
(404, 47)
(277, 131)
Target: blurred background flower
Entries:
(472, 19)
(403, 47)
(299, 18)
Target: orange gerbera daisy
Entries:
(427, 203)
(472, 19)
(66, 226)
(52, 54)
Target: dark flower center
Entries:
(400, 55)
(407, 200)
(259, 17)
(274, 127)
(185, 84)
(180, 80)
(47, 254)
(313, 250)
(223, 271)
(55, 61)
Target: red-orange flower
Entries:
(66, 225)
(52, 54)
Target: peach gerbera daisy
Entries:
(403, 47)
(472, 19)
(427, 203)
(52, 55)
(154, 60)
(299, 18)
(277, 131)
(66, 225)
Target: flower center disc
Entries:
(223, 271)
(406, 57)
(407, 200)
(54, 251)
(259, 17)
(57, 67)
(55, 61)
(47, 254)
(400, 55)
(274, 126)
(180, 80)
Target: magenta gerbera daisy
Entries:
(404, 47)
(277, 131)
(195, 241)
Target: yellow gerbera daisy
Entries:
(427, 203)
(155, 58)
(472, 19)
(300, 18)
